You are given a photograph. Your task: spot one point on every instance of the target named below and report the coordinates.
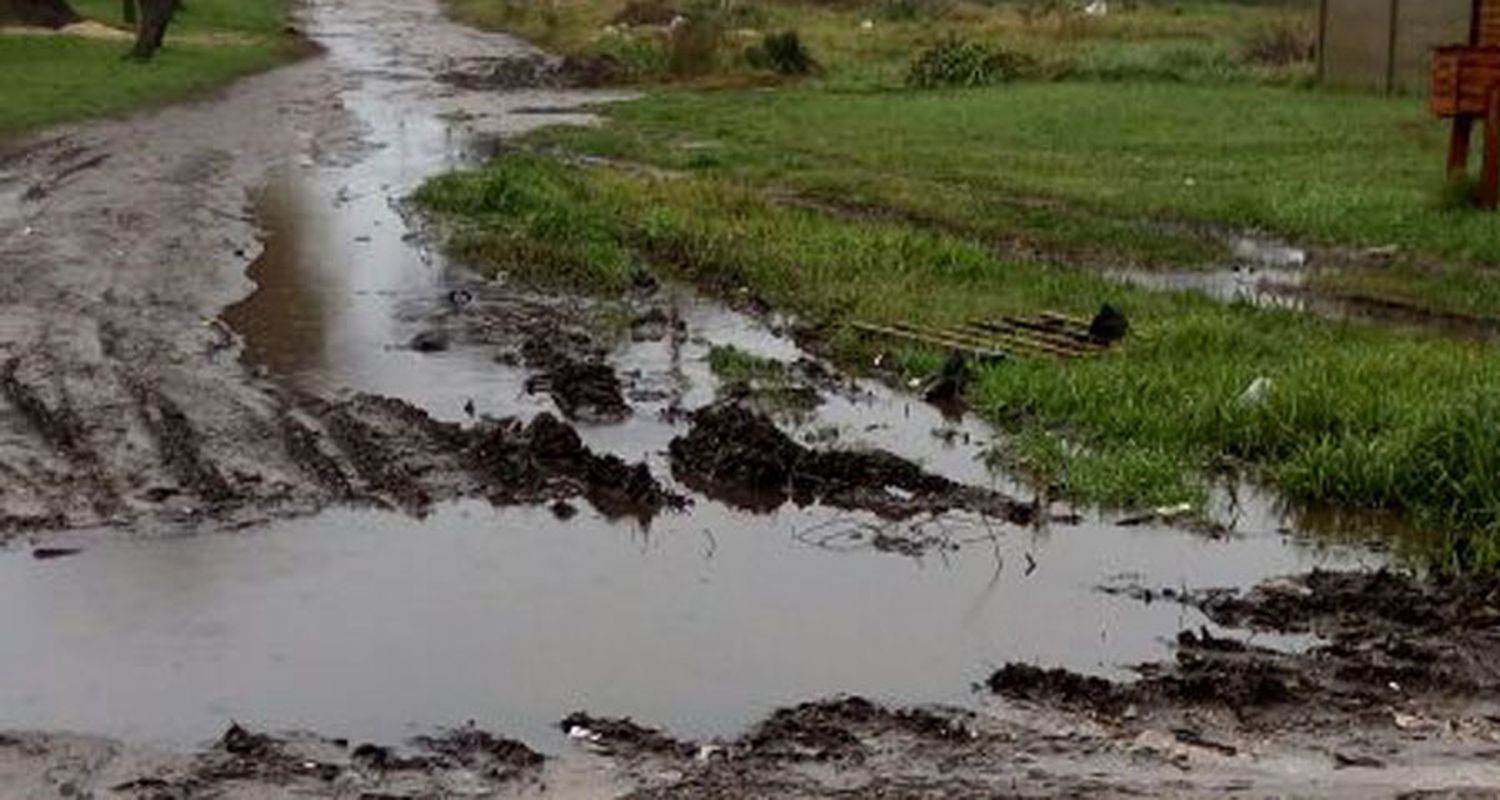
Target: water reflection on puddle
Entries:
(374, 625)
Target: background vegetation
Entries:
(56, 78)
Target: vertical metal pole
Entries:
(1390, 49)
(1322, 41)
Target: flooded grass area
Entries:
(1347, 416)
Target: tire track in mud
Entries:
(61, 428)
(180, 448)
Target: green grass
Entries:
(1357, 416)
(49, 80)
(1193, 40)
(1080, 161)
(1145, 140)
(262, 17)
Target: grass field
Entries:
(55, 79)
(848, 195)
(871, 43)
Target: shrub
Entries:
(956, 62)
(782, 53)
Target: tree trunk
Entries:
(154, 17)
(46, 13)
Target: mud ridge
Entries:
(254, 764)
(587, 391)
(181, 447)
(1388, 642)
(739, 455)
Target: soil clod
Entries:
(584, 391)
(739, 455)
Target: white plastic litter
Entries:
(1256, 392)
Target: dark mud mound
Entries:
(492, 756)
(546, 460)
(841, 729)
(740, 456)
(1389, 641)
(1056, 687)
(388, 452)
(583, 391)
(1342, 603)
(263, 765)
(844, 747)
(508, 73)
(1382, 628)
(623, 736)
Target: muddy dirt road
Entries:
(268, 458)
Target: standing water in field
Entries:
(381, 625)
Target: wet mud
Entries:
(535, 71)
(252, 765)
(737, 454)
(455, 498)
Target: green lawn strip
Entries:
(263, 17)
(1323, 167)
(53, 79)
(1357, 416)
(872, 43)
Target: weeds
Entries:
(532, 218)
(782, 53)
(954, 62)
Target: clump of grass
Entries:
(638, 58)
(782, 53)
(955, 62)
(772, 386)
(532, 219)
(1458, 193)
(734, 365)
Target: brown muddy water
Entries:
(378, 625)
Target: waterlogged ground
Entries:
(255, 536)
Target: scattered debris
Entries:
(1046, 335)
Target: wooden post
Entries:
(1458, 146)
(1489, 179)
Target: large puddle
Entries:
(376, 625)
